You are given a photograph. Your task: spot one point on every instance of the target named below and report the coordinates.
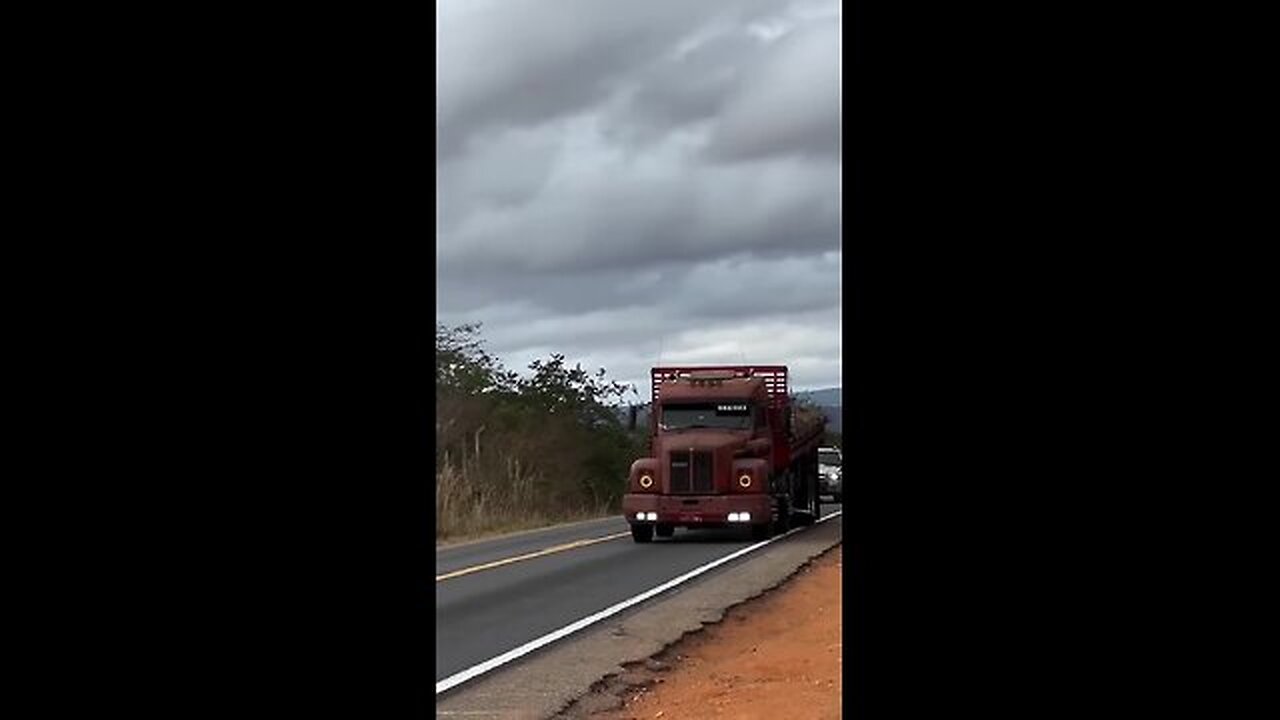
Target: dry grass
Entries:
(476, 498)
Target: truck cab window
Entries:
(724, 416)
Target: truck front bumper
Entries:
(696, 510)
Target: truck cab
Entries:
(721, 454)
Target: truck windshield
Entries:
(729, 416)
(828, 458)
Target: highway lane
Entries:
(457, 557)
(500, 606)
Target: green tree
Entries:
(581, 406)
(510, 448)
(464, 366)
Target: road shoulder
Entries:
(776, 656)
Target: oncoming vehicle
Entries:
(729, 449)
(831, 473)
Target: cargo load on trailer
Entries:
(729, 449)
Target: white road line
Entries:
(476, 670)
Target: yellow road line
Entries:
(448, 545)
(530, 556)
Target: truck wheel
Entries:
(642, 533)
(813, 504)
(665, 530)
(763, 531)
(784, 516)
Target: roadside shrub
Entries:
(520, 451)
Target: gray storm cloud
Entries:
(627, 181)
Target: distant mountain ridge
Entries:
(825, 397)
(828, 400)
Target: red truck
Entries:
(729, 450)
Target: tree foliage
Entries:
(462, 364)
(548, 442)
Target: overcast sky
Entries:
(629, 182)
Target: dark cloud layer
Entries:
(628, 181)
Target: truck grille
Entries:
(691, 472)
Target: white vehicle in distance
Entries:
(830, 474)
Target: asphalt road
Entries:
(488, 604)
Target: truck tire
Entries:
(803, 517)
(813, 506)
(783, 523)
(642, 533)
(665, 530)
